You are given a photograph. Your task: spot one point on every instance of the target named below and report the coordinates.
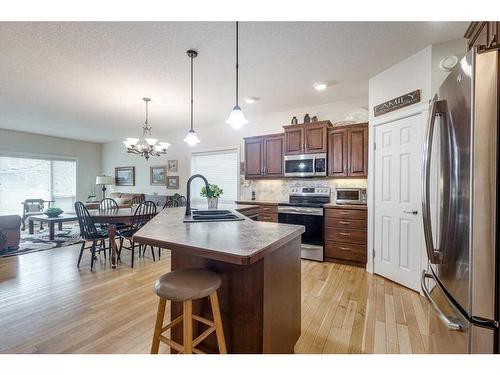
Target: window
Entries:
(220, 168)
(25, 178)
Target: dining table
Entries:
(112, 217)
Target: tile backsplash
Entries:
(278, 190)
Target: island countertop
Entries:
(237, 242)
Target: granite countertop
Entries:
(239, 242)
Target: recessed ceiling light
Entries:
(251, 99)
(320, 86)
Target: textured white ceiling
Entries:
(85, 80)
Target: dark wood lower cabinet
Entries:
(346, 235)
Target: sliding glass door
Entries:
(29, 178)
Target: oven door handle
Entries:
(296, 211)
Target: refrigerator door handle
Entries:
(432, 253)
(452, 325)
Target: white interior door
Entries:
(397, 201)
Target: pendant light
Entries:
(191, 137)
(236, 119)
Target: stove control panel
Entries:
(324, 191)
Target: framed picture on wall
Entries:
(125, 176)
(158, 175)
(172, 182)
(172, 166)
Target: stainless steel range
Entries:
(305, 207)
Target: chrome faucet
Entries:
(188, 195)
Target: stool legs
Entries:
(158, 326)
(189, 345)
(188, 327)
(219, 331)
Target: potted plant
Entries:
(213, 194)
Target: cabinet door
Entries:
(358, 152)
(315, 138)
(254, 157)
(273, 156)
(337, 153)
(294, 140)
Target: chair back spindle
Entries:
(88, 229)
(143, 213)
(108, 204)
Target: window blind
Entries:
(220, 168)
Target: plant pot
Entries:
(213, 202)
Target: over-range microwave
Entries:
(306, 165)
(350, 196)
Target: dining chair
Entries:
(143, 213)
(89, 232)
(108, 204)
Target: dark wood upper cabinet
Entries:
(273, 155)
(483, 33)
(264, 156)
(337, 153)
(308, 138)
(294, 139)
(357, 144)
(254, 154)
(348, 151)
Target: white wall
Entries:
(88, 154)
(216, 136)
(419, 71)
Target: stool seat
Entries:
(187, 284)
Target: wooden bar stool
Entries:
(186, 286)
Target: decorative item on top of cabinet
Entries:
(294, 121)
(310, 138)
(346, 235)
(348, 151)
(264, 156)
(483, 33)
(307, 118)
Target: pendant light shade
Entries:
(236, 118)
(191, 137)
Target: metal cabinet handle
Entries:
(344, 248)
(343, 234)
(452, 325)
(414, 212)
(344, 222)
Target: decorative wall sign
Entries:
(125, 176)
(397, 103)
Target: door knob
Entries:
(411, 212)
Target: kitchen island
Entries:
(260, 267)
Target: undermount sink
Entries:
(213, 215)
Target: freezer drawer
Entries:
(448, 328)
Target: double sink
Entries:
(213, 215)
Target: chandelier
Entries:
(146, 146)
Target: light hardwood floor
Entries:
(48, 305)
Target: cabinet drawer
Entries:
(341, 222)
(268, 217)
(345, 235)
(354, 253)
(266, 210)
(346, 214)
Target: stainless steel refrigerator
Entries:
(461, 207)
